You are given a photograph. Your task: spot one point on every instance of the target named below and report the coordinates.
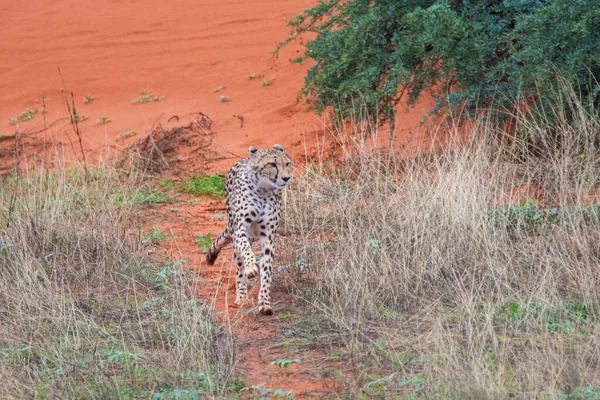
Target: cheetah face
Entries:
(272, 165)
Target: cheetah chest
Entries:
(263, 218)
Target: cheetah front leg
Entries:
(266, 274)
(241, 246)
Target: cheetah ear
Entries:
(279, 147)
(252, 150)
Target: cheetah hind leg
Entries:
(251, 270)
(241, 288)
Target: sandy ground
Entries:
(181, 50)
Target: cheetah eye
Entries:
(272, 164)
(287, 165)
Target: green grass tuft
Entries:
(212, 185)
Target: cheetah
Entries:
(253, 199)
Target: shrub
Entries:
(471, 54)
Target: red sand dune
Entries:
(181, 50)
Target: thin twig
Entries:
(75, 124)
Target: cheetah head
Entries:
(272, 166)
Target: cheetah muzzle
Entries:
(253, 198)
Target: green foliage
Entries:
(147, 97)
(212, 185)
(77, 118)
(533, 220)
(155, 236)
(369, 55)
(203, 242)
(170, 269)
(26, 115)
(145, 196)
(284, 363)
(264, 392)
(567, 317)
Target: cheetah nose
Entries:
(287, 178)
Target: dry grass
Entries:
(83, 312)
(439, 270)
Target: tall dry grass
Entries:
(473, 273)
(84, 313)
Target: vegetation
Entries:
(147, 97)
(440, 281)
(26, 115)
(212, 185)
(126, 133)
(203, 242)
(154, 237)
(84, 313)
(368, 56)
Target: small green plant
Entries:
(125, 133)
(211, 185)
(171, 268)
(219, 216)
(103, 120)
(26, 115)
(218, 88)
(145, 196)
(533, 220)
(284, 363)
(147, 97)
(178, 394)
(264, 392)
(297, 266)
(223, 99)
(255, 76)
(563, 318)
(88, 99)
(77, 118)
(165, 183)
(155, 236)
(267, 82)
(203, 242)
(120, 356)
(152, 196)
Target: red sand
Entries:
(181, 50)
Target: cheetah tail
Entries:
(221, 241)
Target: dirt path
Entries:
(260, 340)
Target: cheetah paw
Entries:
(251, 272)
(265, 310)
(239, 300)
